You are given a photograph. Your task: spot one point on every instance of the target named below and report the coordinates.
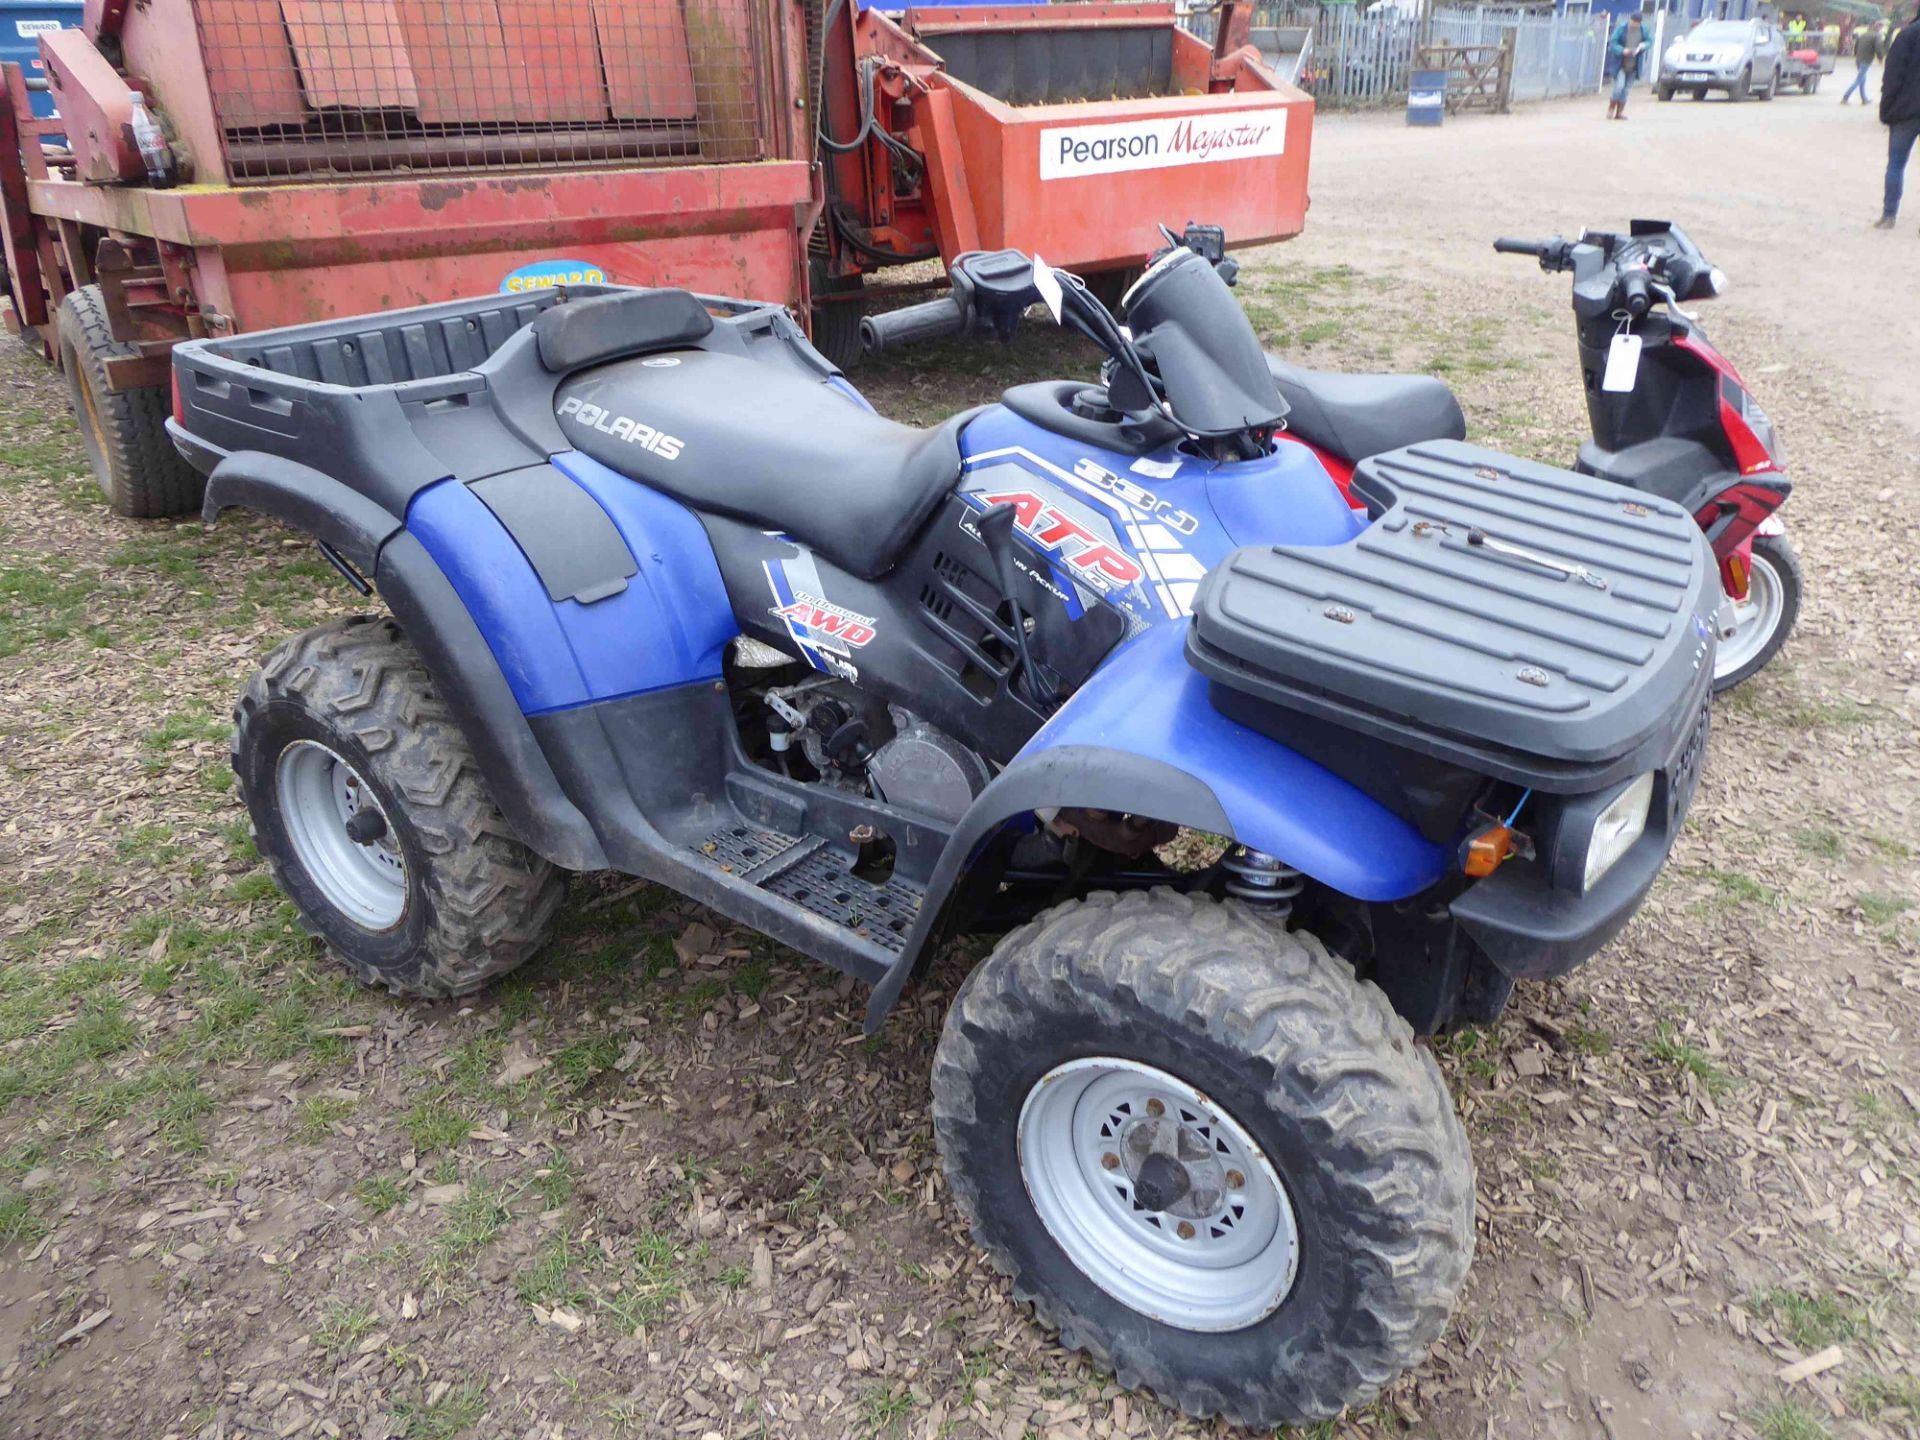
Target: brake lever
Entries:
(1672, 301)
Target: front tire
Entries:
(1282, 1083)
(1766, 617)
(1773, 86)
(368, 805)
(1665, 92)
(1742, 89)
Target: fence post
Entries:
(1509, 38)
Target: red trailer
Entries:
(336, 157)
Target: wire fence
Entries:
(384, 87)
(1346, 58)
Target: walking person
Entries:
(1624, 53)
(1866, 50)
(1900, 113)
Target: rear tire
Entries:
(1700, 93)
(1266, 1050)
(1773, 593)
(123, 432)
(341, 725)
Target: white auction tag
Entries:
(1623, 363)
(1048, 285)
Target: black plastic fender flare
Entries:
(430, 614)
(308, 500)
(1091, 776)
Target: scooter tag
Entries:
(1049, 287)
(1623, 363)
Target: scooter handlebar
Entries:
(1521, 247)
(914, 323)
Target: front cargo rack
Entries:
(1523, 621)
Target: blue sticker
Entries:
(545, 274)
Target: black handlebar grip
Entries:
(1520, 247)
(880, 333)
(1634, 294)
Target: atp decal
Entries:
(1086, 556)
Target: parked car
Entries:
(1741, 57)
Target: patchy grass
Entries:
(379, 1193)
(1589, 1040)
(652, 1274)
(1820, 842)
(452, 1414)
(1874, 1395)
(1880, 907)
(19, 1222)
(435, 1125)
(1813, 1321)
(885, 1412)
(551, 1280)
(1789, 1420)
(472, 1223)
(1683, 1055)
(344, 1326)
(1740, 889)
(318, 1115)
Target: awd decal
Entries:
(1083, 552)
(829, 626)
(623, 427)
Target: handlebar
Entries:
(1520, 247)
(907, 326)
(1635, 294)
(1554, 254)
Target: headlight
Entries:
(1618, 826)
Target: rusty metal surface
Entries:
(95, 105)
(277, 256)
(314, 88)
(955, 19)
(17, 227)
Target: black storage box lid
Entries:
(1533, 623)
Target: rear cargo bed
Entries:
(1522, 621)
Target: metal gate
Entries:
(389, 87)
(1356, 60)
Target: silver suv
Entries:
(1741, 57)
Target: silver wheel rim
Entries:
(1221, 1257)
(1754, 618)
(319, 793)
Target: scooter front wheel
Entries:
(1765, 618)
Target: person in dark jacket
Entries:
(1866, 50)
(1900, 112)
(1624, 53)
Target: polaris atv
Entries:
(666, 597)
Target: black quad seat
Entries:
(768, 446)
(1354, 416)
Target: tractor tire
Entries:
(124, 432)
(1767, 617)
(1293, 1216)
(836, 323)
(1109, 287)
(434, 897)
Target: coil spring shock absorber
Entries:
(1262, 880)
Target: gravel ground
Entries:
(658, 1183)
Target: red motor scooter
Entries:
(1670, 416)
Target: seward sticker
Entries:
(1623, 363)
(545, 274)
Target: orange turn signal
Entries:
(1487, 851)
(1739, 572)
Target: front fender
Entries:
(1141, 737)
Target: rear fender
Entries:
(302, 497)
(1141, 737)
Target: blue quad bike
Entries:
(665, 596)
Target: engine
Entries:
(848, 737)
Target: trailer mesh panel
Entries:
(306, 88)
